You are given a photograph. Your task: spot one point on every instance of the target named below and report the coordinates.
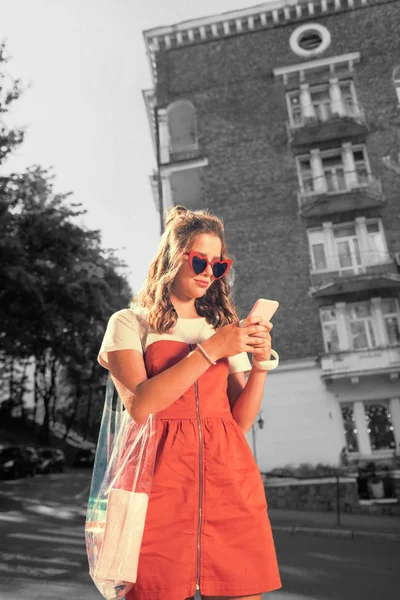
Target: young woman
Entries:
(180, 354)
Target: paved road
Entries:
(42, 553)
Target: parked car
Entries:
(51, 460)
(32, 456)
(84, 457)
(16, 461)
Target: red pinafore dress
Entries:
(207, 526)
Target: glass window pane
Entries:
(356, 249)
(371, 332)
(389, 306)
(376, 248)
(318, 251)
(345, 259)
(362, 174)
(359, 311)
(350, 430)
(345, 231)
(372, 227)
(306, 176)
(347, 94)
(393, 329)
(379, 426)
(331, 337)
(332, 161)
(358, 155)
(320, 95)
(295, 108)
(328, 314)
(342, 185)
(305, 165)
(359, 335)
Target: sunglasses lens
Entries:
(198, 265)
(219, 269)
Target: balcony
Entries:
(355, 363)
(353, 272)
(326, 124)
(336, 193)
(185, 153)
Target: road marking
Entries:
(13, 518)
(53, 511)
(9, 556)
(31, 571)
(69, 550)
(78, 533)
(42, 538)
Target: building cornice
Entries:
(331, 61)
(263, 16)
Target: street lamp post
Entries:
(260, 425)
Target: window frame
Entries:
(365, 320)
(375, 326)
(331, 153)
(396, 315)
(385, 402)
(350, 405)
(193, 132)
(333, 321)
(318, 232)
(299, 31)
(313, 88)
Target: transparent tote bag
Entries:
(119, 494)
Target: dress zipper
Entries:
(196, 391)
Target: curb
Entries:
(338, 533)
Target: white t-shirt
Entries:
(128, 331)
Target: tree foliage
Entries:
(58, 287)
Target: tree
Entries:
(10, 91)
(58, 287)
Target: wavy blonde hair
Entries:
(182, 226)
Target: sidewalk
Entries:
(324, 523)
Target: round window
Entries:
(310, 39)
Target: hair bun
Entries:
(175, 213)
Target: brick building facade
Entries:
(277, 118)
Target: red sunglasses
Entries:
(199, 264)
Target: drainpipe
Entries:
(159, 180)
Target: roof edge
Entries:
(248, 20)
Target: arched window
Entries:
(182, 126)
(396, 81)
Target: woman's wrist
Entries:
(267, 365)
(260, 372)
(211, 348)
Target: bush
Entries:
(308, 471)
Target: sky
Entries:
(84, 66)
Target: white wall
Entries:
(302, 419)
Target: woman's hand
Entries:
(232, 339)
(262, 350)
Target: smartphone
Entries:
(264, 308)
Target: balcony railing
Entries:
(352, 363)
(354, 271)
(324, 122)
(352, 263)
(321, 112)
(339, 181)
